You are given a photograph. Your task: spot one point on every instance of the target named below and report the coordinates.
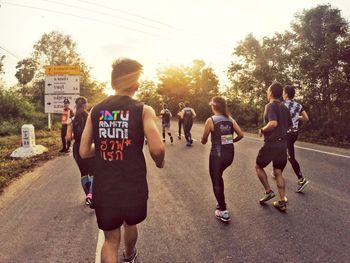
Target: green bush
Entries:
(15, 111)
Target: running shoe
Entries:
(302, 183)
(132, 258)
(191, 141)
(88, 199)
(280, 205)
(224, 216)
(188, 144)
(267, 197)
(62, 150)
(171, 139)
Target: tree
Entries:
(257, 64)
(2, 64)
(196, 83)
(54, 48)
(321, 56)
(147, 93)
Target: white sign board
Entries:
(62, 84)
(54, 102)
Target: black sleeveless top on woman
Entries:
(120, 173)
(78, 125)
(222, 136)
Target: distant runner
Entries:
(66, 117)
(166, 115)
(221, 127)
(180, 120)
(75, 131)
(297, 113)
(187, 115)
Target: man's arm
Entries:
(87, 147)
(238, 130)
(208, 127)
(193, 113)
(154, 141)
(69, 133)
(304, 117)
(182, 113)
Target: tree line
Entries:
(314, 56)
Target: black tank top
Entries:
(78, 125)
(188, 116)
(120, 173)
(165, 116)
(222, 136)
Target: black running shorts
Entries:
(166, 125)
(109, 218)
(276, 155)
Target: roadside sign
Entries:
(62, 84)
(62, 70)
(54, 102)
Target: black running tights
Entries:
(180, 123)
(291, 139)
(217, 166)
(187, 130)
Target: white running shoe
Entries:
(222, 215)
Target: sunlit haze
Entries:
(154, 32)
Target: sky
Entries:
(154, 32)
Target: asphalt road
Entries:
(43, 219)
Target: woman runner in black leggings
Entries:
(221, 127)
(75, 131)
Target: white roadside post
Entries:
(29, 148)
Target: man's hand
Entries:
(260, 133)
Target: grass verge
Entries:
(11, 168)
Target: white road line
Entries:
(308, 149)
(100, 240)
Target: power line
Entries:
(96, 20)
(9, 52)
(153, 20)
(129, 13)
(101, 13)
(86, 18)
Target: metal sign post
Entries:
(49, 121)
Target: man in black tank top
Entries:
(187, 115)
(117, 126)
